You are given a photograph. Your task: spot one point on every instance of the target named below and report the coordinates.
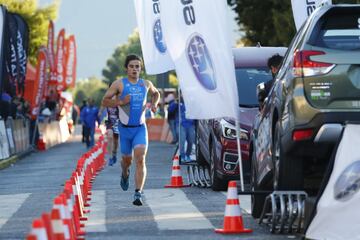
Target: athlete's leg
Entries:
(115, 144)
(140, 172)
(140, 144)
(125, 165)
(126, 152)
(115, 139)
(109, 134)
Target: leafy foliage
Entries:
(37, 20)
(269, 22)
(115, 64)
(89, 88)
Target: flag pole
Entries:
(237, 125)
(179, 116)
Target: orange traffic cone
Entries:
(47, 222)
(233, 222)
(38, 230)
(176, 178)
(57, 225)
(41, 145)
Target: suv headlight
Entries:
(229, 131)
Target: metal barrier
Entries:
(14, 137)
(284, 211)
(4, 144)
(9, 125)
(198, 175)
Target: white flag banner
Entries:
(302, 9)
(153, 45)
(197, 36)
(337, 211)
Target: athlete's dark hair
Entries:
(275, 61)
(131, 57)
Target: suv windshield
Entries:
(247, 79)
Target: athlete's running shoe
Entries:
(110, 161)
(124, 182)
(114, 159)
(137, 199)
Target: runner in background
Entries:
(112, 127)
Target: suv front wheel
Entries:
(288, 170)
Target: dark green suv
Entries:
(316, 91)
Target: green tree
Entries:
(269, 22)
(37, 20)
(115, 64)
(89, 88)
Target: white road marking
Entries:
(245, 202)
(172, 210)
(97, 215)
(9, 204)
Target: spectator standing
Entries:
(274, 63)
(172, 113)
(5, 104)
(187, 133)
(89, 117)
(84, 104)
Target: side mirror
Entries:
(261, 93)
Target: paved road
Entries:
(28, 188)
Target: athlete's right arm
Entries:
(114, 90)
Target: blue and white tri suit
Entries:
(132, 127)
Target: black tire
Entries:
(288, 170)
(200, 159)
(217, 184)
(257, 200)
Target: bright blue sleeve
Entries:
(172, 107)
(82, 113)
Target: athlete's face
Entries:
(133, 69)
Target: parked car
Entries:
(216, 138)
(316, 91)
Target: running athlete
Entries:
(112, 127)
(132, 92)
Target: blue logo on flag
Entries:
(348, 183)
(201, 62)
(159, 37)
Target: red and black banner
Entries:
(70, 62)
(60, 60)
(51, 53)
(41, 77)
(2, 48)
(16, 40)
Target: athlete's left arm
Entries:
(155, 96)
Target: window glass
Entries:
(339, 31)
(247, 79)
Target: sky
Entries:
(99, 27)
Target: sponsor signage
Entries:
(40, 79)
(155, 52)
(71, 62)
(60, 60)
(202, 56)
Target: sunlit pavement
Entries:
(28, 188)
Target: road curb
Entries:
(13, 159)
